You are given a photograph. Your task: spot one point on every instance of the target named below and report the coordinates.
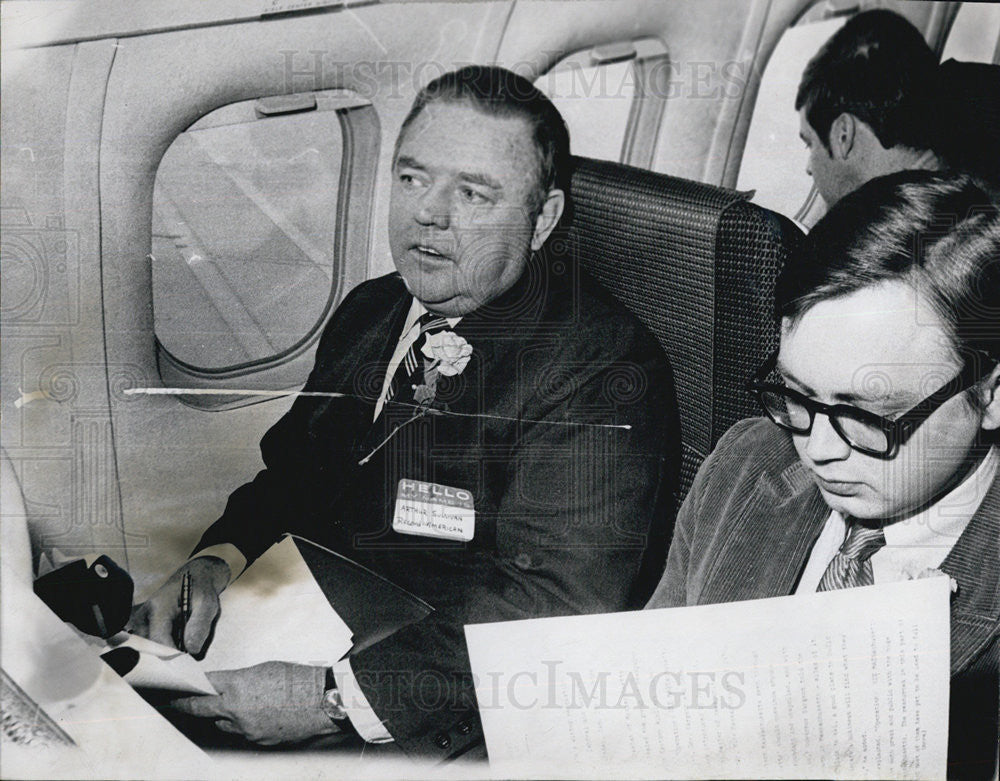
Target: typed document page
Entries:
(849, 684)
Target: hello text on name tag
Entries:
(433, 510)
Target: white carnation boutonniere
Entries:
(449, 353)
(446, 353)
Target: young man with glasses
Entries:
(879, 461)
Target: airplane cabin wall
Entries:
(55, 374)
(706, 41)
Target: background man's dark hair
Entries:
(879, 68)
(938, 233)
(498, 92)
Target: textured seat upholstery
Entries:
(697, 265)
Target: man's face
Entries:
(834, 178)
(882, 349)
(460, 217)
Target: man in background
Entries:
(868, 104)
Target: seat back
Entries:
(697, 264)
(970, 117)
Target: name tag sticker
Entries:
(433, 510)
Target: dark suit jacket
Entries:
(562, 512)
(747, 527)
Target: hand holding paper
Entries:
(268, 704)
(161, 617)
(275, 611)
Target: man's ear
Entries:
(843, 134)
(549, 215)
(991, 398)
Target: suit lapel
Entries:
(767, 548)
(370, 365)
(464, 393)
(493, 330)
(490, 330)
(974, 563)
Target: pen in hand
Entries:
(184, 603)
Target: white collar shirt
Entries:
(913, 544)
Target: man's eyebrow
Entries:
(789, 377)
(407, 162)
(888, 398)
(481, 179)
(844, 398)
(471, 177)
(898, 397)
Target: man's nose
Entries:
(824, 443)
(435, 208)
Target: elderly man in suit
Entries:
(879, 461)
(478, 370)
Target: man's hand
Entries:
(159, 618)
(268, 704)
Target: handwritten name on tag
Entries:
(433, 510)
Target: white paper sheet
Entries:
(849, 684)
(275, 610)
(63, 676)
(162, 666)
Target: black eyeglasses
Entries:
(864, 431)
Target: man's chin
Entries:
(447, 303)
(455, 306)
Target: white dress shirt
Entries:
(358, 708)
(912, 544)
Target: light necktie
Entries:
(410, 371)
(852, 565)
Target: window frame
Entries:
(290, 367)
(650, 60)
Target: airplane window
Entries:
(975, 34)
(245, 211)
(612, 98)
(774, 159)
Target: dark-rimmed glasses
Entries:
(864, 431)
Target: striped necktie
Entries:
(852, 565)
(410, 371)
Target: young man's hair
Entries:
(498, 92)
(879, 68)
(938, 233)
